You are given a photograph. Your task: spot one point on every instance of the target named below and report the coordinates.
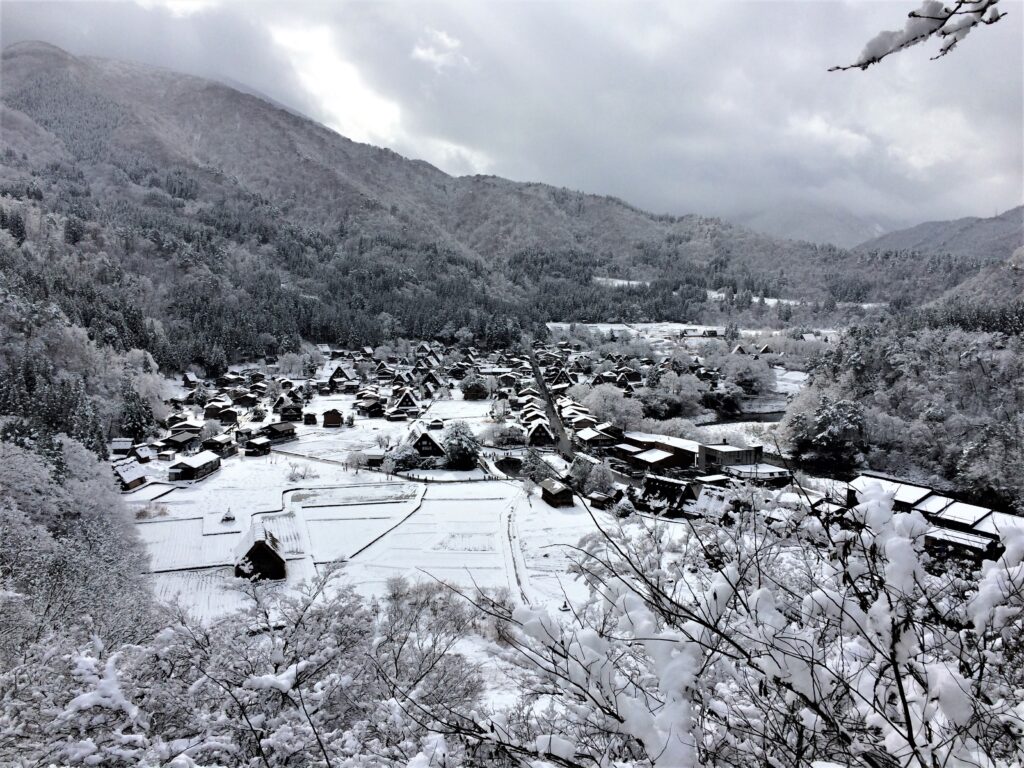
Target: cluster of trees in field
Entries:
(941, 405)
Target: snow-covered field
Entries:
(739, 433)
(455, 527)
(789, 382)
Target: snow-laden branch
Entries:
(948, 23)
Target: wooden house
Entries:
(540, 434)
(228, 416)
(214, 407)
(291, 412)
(427, 445)
(332, 418)
(309, 419)
(371, 409)
(121, 446)
(404, 400)
(257, 446)
(279, 432)
(194, 467)
(130, 474)
(222, 445)
(181, 441)
(666, 496)
(556, 494)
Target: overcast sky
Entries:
(720, 108)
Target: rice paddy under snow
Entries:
(456, 528)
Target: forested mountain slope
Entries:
(178, 215)
(121, 124)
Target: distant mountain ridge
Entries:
(134, 144)
(818, 224)
(991, 240)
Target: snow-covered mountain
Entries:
(990, 240)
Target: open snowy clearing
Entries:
(789, 382)
(468, 533)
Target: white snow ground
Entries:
(454, 526)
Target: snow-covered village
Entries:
(463, 467)
(511, 384)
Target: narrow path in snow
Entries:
(514, 551)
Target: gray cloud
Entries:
(718, 108)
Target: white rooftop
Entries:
(757, 470)
(199, 460)
(963, 514)
(904, 493)
(653, 456)
(999, 523)
(934, 504)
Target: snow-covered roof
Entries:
(653, 456)
(724, 448)
(643, 437)
(999, 523)
(201, 459)
(934, 504)
(682, 444)
(130, 471)
(903, 493)
(963, 514)
(258, 531)
(757, 470)
(969, 540)
(663, 479)
(553, 486)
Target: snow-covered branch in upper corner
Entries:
(948, 23)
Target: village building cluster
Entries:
(256, 411)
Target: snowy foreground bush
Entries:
(752, 637)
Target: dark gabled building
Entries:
(228, 416)
(257, 446)
(427, 445)
(555, 493)
(279, 432)
(121, 446)
(291, 412)
(539, 433)
(260, 554)
(332, 418)
(182, 441)
(222, 445)
(666, 496)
